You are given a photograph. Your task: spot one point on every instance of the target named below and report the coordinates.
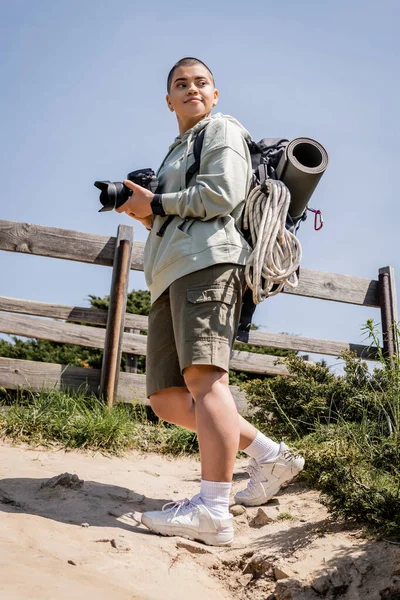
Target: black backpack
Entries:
(265, 157)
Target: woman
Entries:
(194, 268)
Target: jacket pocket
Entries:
(175, 245)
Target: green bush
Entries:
(347, 427)
(342, 463)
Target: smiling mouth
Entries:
(193, 100)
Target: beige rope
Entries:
(276, 252)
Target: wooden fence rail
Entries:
(93, 337)
(69, 324)
(99, 250)
(36, 376)
(95, 316)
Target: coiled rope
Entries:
(276, 252)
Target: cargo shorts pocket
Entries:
(211, 313)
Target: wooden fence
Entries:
(25, 317)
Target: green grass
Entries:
(285, 516)
(79, 420)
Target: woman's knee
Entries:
(201, 379)
(167, 403)
(156, 404)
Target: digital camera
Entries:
(114, 194)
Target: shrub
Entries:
(347, 427)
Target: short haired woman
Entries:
(194, 268)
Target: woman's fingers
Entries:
(132, 186)
(139, 203)
(121, 208)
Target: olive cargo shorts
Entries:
(193, 322)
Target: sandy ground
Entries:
(62, 543)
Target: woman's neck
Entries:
(186, 124)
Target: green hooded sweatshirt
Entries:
(204, 230)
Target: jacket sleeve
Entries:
(222, 181)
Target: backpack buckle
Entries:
(262, 174)
(264, 187)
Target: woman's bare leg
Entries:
(217, 421)
(176, 405)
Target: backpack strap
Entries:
(197, 148)
(246, 316)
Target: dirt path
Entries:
(62, 543)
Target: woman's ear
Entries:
(216, 96)
(169, 103)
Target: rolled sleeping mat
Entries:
(301, 167)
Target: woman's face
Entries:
(192, 95)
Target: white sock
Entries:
(263, 449)
(215, 496)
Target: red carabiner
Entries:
(318, 217)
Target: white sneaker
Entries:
(267, 478)
(192, 520)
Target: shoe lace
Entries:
(255, 472)
(185, 504)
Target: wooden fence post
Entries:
(116, 314)
(389, 315)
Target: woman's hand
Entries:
(147, 221)
(137, 205)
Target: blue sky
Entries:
(83, 99)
